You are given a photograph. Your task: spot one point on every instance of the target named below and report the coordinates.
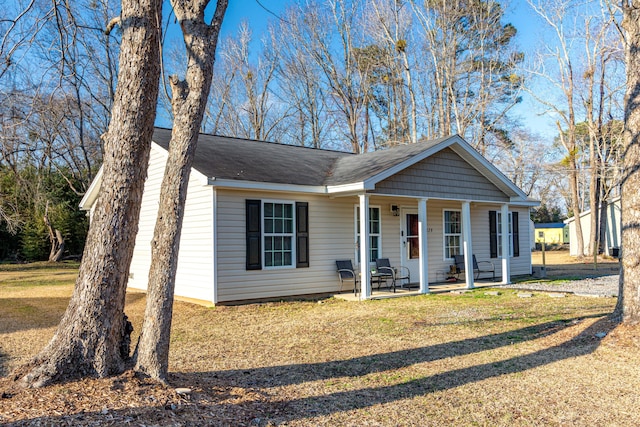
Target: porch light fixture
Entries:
(395, 210)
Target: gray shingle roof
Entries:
(247, 160)
(241, 159)
(358, 168)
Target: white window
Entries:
(452, 233)
(278, 229)
(374, 233)
(499, 233)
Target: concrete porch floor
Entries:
(440, 287)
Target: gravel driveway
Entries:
(605, 286)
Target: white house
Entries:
(613, 239)
(265, 220)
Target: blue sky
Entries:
(250, 11)
(528, 37)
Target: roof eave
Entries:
(349, 188)
(92, 192)
(266, 186)
(516, 201)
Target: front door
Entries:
(410, 249)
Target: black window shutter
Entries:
(302, 234)
(254, 238)
(516, 234)
(493, 234)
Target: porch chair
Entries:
(384, 268)
(478, 267)
(346, 273)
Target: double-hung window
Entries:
(374, 233)
(278, 234)
(499, 233)
(452, 233)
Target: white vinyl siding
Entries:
(612, 232)
(331, 237)
(522, 263)
(194, 276)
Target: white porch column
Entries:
(365, 273)
(467, 247)
(504, 229)
(422, 242)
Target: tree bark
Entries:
(92, 337)
(189, 98)
(628, 307)
(55, 237)
(575, 204)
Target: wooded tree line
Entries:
(356, 75)
(57, 81)
(368, 74)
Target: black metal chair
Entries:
(478, 267)
(396, 274)
(346, 273)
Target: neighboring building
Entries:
(553, 233)
(267, 220)
(612, 241)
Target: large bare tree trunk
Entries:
(92, 338)
(189, 98)
(628, 306)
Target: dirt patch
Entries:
(559, 264)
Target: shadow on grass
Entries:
(285, 375)
(3, 364)
(582, 344)
(264, 407)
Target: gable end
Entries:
(443, 175)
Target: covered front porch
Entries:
(422, 210)
(429, 233)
